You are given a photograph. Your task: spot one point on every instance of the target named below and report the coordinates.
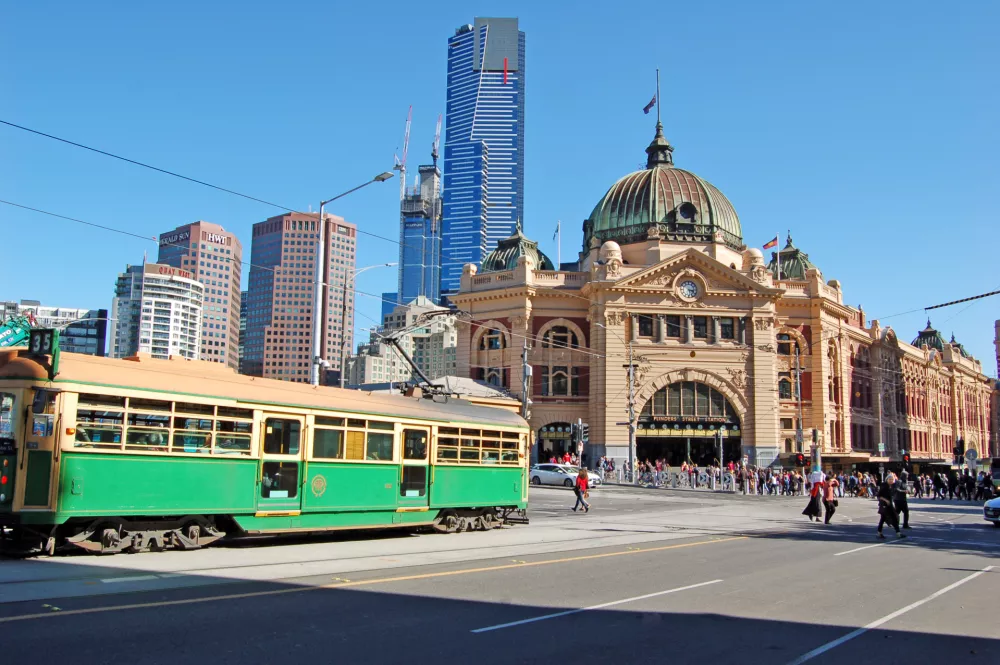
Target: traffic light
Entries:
(959, 447)
(800, 459)
(585, 432)
(575, 434)
(906, 457)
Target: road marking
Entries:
(592, 607)
(818, 651)
(134, 578)
(858, 549)
(344, 585)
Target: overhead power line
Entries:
(956, 302)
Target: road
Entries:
(646, 576)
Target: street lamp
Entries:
(631, 404)
(319, 304)
(343, 316)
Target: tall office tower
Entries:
(81, 330)
(215, 258)
(157, 309)
(243, 326)
(484, 143)
(281, 293)
(420, 239)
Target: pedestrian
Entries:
(830, 502)
(581, 491)
(814, 508)
(886, 509)
(899, 499)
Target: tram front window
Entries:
(280, 480)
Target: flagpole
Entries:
(558, 244)
(657, 95)
(778, 266)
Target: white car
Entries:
(553, 474)
(593, 477)
(991, 511)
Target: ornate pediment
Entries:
(712, 275)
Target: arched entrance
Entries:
(683, 421)
(554, 439)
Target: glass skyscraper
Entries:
(484, 143)
(420, 240)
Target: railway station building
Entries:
(724, 344)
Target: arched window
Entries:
(787, 345)
(784, 388)
(492, 340)
(560, 381)
(559, 337)
(689, 399)
(493, 376)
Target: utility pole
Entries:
(631, 415)
(525, 378)
(800, 439)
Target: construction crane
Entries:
(400, 164)
(437, 141)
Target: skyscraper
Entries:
(214, 257)
(420, 239)
(157, 309)
(484, 143)
(280, 297)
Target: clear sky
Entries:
(868, 129)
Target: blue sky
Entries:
(868, 129)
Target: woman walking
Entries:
(886, 510)
(814, 507)
(830, 497)
(581, 491)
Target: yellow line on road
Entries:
(344, 585)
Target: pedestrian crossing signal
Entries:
(800, 459)
(906, 458)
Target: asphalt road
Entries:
(646, 576)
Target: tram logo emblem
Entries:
(318, 486)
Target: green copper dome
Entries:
(961, 349)
(681, 206)
(930, 338)
(794, 262)
(509, 250)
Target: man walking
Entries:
(899, 498)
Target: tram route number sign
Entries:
(6, 446)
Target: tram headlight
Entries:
(3, 497)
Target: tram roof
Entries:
(197, 378)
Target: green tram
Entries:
(135, 454)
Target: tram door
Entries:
(414, 474)
(280, 478)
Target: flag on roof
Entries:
(651, 104)
(772, 243)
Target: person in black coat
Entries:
(899, 499)
(886, 509)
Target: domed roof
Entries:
(509, 250)
(683, 206)
(794, 262)
(930, 338)
(961, 349)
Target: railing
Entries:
(703, 480)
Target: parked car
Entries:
(593, 477)
(554, 474)
(991, 511)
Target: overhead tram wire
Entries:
(189, 179)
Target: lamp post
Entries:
(343, 316)
(319, 304)
(631, 404)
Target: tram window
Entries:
(149, 405)
(281, 437)
(329, 422)
(700, 327)
(98, 428)
(199, 409)
(328, 443)
(192, 435)
(727, 329)
(414, 481)
(233, 437)
(491, 451)
(448, 430)
(673, 325)
(355, 445)
(279, 480)
(354, 422)
(414, 444)
(111, 401)
(375, 424)
(7, 418)
(230, 412)
(147, 431)
(379, 447)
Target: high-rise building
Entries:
(281, 293)
(484, 143)
(431, 346)
(420, 238)
(81, 330)
(215, 258)
(157, 309)
(243, 326)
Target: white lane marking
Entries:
(818, 651)
(135, 578)
(592, 607)
(858, 549)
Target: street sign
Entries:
(971, 455)
(579, 449)
(881, 449)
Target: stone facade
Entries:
(718, 345)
